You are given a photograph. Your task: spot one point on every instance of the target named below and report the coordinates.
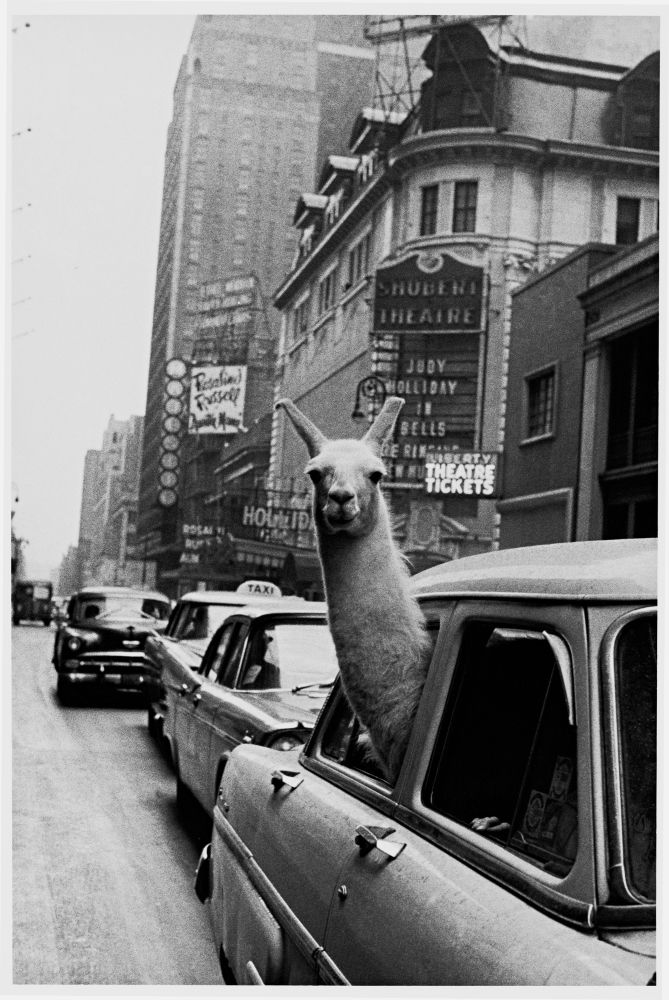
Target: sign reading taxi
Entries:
(428, 292)
(259, 588)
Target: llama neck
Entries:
(364, 572)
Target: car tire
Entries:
(64, 690)
(16, 620)
(185, 800)
(154, 725)
(47, 621)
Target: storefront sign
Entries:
(204, 543)
(462, 474)
(217, 399)
(427, 292)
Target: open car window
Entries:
(504, 763)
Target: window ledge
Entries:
(296, 346)
(538, 439)
(354, 290)
(322, 320)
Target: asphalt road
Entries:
(102, 866)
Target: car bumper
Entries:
(113, 671)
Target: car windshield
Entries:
(289, 655)
(101, 606)
(636, 668)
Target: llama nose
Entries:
(341, 494)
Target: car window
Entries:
(345, 742)
(636, 697)
(288, 655)
(233, 654)
(505, 757)
(177, 623)
(216, 652)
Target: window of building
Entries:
(203, 125)
(505, 761)
(429, 205)
(326, 291)
(194, 251)
(301, 319)
(540, 389)
(198, 199)
(470, 109)
(634, 394)
(464, 206)
(358, 259)
(627, 221)
(191, 275)
(196, 224)
(243, 180)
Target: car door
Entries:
(201, 705)
(495, 880)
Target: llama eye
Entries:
(376, 476)
(314, 476)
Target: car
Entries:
(262, 680)
(31, 601)
(194, 619)
(100, 644)
(517, 844)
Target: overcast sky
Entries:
(96, 92)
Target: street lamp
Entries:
(372, 388)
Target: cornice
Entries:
(459, 145)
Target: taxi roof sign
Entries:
(261, 588)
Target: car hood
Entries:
(286, 708)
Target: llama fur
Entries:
(376, 624)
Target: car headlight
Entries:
(74, 643)
(287, 741)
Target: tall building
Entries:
(258, 101)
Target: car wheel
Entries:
(47, 621)
(64, 690)
(185, 801)
(16, 620)
(152, 723)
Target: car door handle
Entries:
(369, 837)
(292, 779)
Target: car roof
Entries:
(231, 597)
(296, 607)
(618, 570)
(153, 595)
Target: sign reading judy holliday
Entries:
(217, 399)
(428, 292)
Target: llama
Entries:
(376, 624)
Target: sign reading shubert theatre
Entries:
(428, 311)
(427, 292)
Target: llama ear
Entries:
(309, 433)
(383, 426)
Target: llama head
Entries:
(346, 473)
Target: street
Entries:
(102, 867)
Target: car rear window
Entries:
(101, 606)
(200, 621)
(289, 655)
(636, 704)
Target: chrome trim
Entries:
(304, 941)
(612, 763)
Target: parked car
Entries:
(517, 846)
(31, 601)
(194, 619)
(101, 641)
(262, 679)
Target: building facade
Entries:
(413, 244)
(581, 450)
(247, 132)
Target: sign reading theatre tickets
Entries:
(217, 399)
(462, 474)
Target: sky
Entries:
(93, 82)
(84, 215)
